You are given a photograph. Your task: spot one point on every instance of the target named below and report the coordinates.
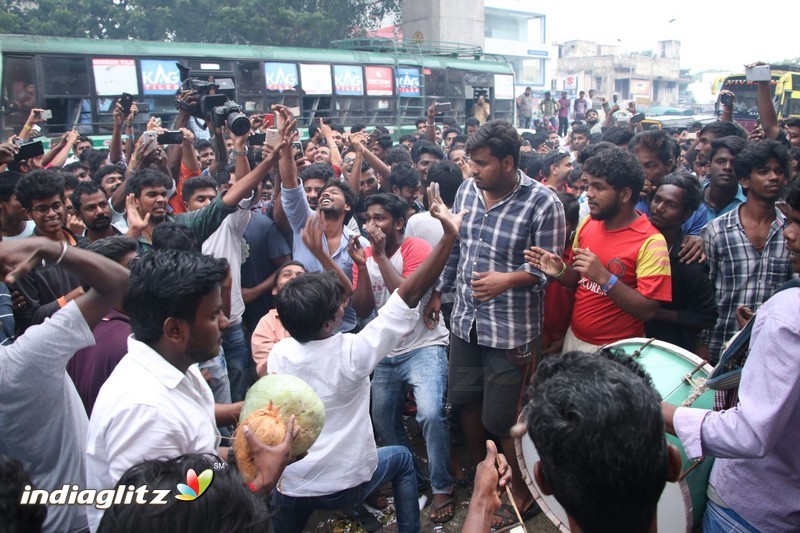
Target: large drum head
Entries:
(682, 503)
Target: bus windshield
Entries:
(745, 104)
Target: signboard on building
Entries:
(570, 82)
(537, 53)
(280, 76)
(114, 76)
(160, 76)
(408, 82)
(379, 81)
(640, 87)
(349, 80)
(316, 79)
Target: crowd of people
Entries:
(148, 286)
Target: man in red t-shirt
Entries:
(619, 262)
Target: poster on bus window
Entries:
(503, 87)
(160, 76)
(408, 82)
(349, 80)
(114, 76)
(379, 81)
(280, 76)
(316, 79)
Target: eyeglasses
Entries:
(42, 210)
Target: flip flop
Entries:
(506, 512)
(447, 517)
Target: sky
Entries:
(713, 35)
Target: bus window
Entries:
(349, 110)
(315, 108)
(410, 110)
(20, 93)
(250, 85)
(380, 111)
(67, 93)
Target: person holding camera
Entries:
(481, 109)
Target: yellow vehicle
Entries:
(787, 96)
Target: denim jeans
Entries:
(425, 369)
(718, 519)
(241, 368)
(395, 464)
(220, 386)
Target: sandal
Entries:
(447, 516)
(509, 517)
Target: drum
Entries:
(673, 371)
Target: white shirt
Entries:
(227, 243)
(30, 225)
(147, 409)
(338, 369)
(42, 416)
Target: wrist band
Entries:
(562, 272)
(609, 284)
(239, 153)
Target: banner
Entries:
(113, 77)
(379, 81)
(408, 82)
(503, 87)
(349, 80)
(160, 76)
(316, 79)
(280, 76)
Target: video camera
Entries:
(218, 106)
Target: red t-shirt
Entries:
(638, 256)
(176, 202)
(406, 259)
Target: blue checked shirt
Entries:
(493, 241)
(740, 274)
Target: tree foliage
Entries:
(306, 23)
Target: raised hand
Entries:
(451, 222)
(356, 251)
(312, 235)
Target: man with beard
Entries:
(619, 263)
(91, 203)
(111, 178)
(593, 121)
(335, 204)
(746, 249)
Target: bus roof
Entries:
(28, 44)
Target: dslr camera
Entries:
(232, 113)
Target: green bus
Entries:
(359, 81)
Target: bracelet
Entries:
(609, 284)
(562, 272)
(237, 153)
(57, 262)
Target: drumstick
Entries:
(511, 498)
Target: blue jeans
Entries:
(220, 386)
(241, 368)
(425, 369)
(395, 464)
(718, 519)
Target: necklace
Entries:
(512, 191)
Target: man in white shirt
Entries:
(156, 403)
(43, 419)
(343, 466)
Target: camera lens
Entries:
(238, 123)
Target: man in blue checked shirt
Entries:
(499, 298)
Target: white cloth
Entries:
(43, 419)
(227, 243)
(30, 225)
(147, 409)
(429, 229)
(338, 369)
